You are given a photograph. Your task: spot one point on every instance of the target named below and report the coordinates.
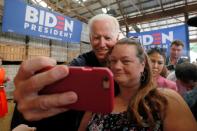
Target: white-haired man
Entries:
(46, 111)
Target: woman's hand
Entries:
(28, 83)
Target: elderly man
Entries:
(46, 111)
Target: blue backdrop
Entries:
(163, 38)
(22, 18)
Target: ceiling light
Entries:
(104, 10)
(80, 1)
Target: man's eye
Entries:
(96, 38)
(126, 61)
(107, 38)
(160, 63)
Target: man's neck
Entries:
(173, 60)
(103, 63)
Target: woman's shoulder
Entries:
(177, 111)
(174, 99)
(170, 94)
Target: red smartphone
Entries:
(93, 85)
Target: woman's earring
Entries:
(142, 79)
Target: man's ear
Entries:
(144, 63)
(90, 38)
(117, 37)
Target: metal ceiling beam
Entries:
(185, 2)
(168, 3)
(124, 17)
(193, 40)
(55, 7)
(114, 3)
(158, 15)
(86, 7)
(102, 5)
(135, 6)
(160, 4)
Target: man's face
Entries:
(102, 38)
(176, 51)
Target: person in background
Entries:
(186, 74)
(3, 98)
(140, 105)
(48, 112)
(174, 58)
(3, 78)
(172, 77)
(181, 88)
(158, 58)
(192, 95)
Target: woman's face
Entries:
(157, 62)
(125, 65)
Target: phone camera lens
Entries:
(106, 82)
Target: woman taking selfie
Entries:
(139, 105)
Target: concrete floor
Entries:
(6, 120)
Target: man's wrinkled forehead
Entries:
(176, 47)
(104, 26)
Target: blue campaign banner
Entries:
(22, 18)
(162, 38)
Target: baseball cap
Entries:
(192, 21)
